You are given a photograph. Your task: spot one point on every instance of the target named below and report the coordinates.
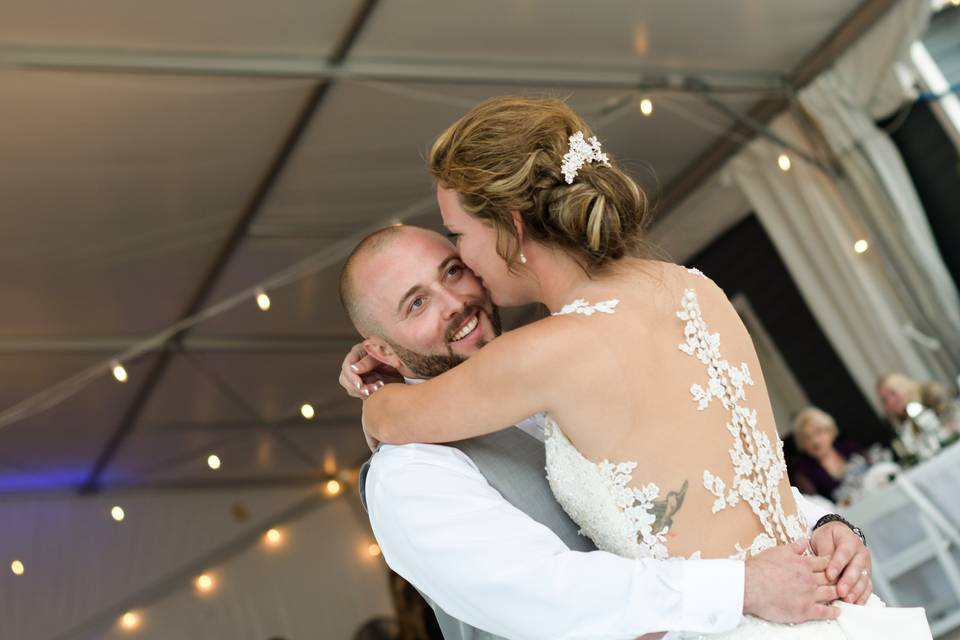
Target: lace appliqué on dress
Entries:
(584, 308)
(617, 517)
(758, 467)
(636, 503)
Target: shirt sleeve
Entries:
(811, 511)
(443, 528)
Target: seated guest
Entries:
(896, 392)
(822, 462)
(938, 397)
(935, 396)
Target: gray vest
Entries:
(513, 463)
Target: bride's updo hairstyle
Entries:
(506, 154)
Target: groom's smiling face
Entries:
(431, 310)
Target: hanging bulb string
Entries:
(609, 111)
(68, 387)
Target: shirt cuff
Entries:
(810, 510)
(713, 595)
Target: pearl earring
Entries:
(523, 258)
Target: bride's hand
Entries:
(850, 563)
(361, 374)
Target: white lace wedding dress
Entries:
(618, 511)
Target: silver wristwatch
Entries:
(836, 517)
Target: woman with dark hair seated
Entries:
(822, 463)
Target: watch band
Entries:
(836, 517)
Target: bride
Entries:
(660, 437)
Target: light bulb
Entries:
(263, 301)
(213, 461)
(17, 567)
(117, 513)
(273, 537)
(307, 411)
(119, 372)
(204, 583)
(861, 246)
(329, 462)
(373, 549)
(646, 107)
(130, 620)
(783, 161)
(333, 487)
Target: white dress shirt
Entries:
(450, 534)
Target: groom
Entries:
(473, 524)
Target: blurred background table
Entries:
(913, 531)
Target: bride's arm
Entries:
(512, 378)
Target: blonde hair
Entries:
(904, 385)
(808, 415)
(505, 155)
(936, 396)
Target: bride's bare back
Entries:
(666, 445)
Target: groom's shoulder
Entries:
(409, 465)
(390, 456)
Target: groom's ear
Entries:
(378, 349)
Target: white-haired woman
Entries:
(822, 463)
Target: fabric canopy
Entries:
(894, 307)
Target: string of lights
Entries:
(209, 580)
(609, 110)
(115, 365)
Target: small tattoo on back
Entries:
(665, 509)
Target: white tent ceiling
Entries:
(159, 159)
(83, 570)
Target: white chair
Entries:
(923, 535)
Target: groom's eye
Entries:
(454, 271)
(415, 304)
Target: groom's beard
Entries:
(426, 365)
